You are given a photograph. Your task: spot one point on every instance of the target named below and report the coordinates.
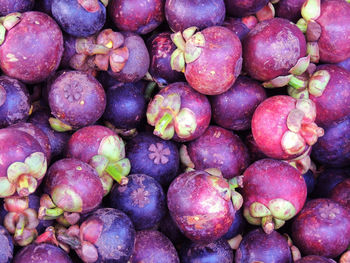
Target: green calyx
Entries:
(318, 82)
(112, 147)
(8, 22)
(311, 9)
(59, 126)
(302, 25)
(67, 199)
(313, 50)
(185, 157)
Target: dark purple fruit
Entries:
(44, 253)
(341, 193)
(126, 105)
(239, 8)
(258, 246)
(142, 199)
(139, 16)
(310, 181)
(333, 149)
(322, 228)
(315, 259)
(79, 18)
(14, 101)
(217, 148)
(237, 226)
(168, 227)
(289, 9)
(76, 100)
(182, 14)
(11, 6)
(160, 49)
(328, 179)
(215, 252)
(241, 26)
(6, 245)
(234, 108)
(345, 64)
(153, 246)
(32, 48)
(150, 155)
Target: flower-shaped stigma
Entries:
(140, 197)
(329, 211)
(23, 176)
(158, 153)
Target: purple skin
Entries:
(310, 181)
(215, 252)
(160, 48)
(38, 134)
(234, 108)
(289, 9)
(74, 186)
(341, 193)
(148, 154)
(345, 64)
(44, 253)
(254, 152)
(43, 6)
(57, 140)
(333, 148)
(258, 246)
(77, 99)
(277, 36)
(241, 8)
(219, 148)
(34, 55)
(69, 50)
(334, 103)
(314, 259)
(126, 105)
(182, 14)
(168, 227)
(322, 228)
(141, 17)
(237, 226)
(328, 179)
(11, 6)
(138, 62)
(142, 199)
(237, 26)
(14, 101)
(6, 245)
(153, 246)
(76, 20)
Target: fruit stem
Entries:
(54, 212)
(297, 83)
(115, 171)
(149, 90)
(163, 123)
(268, 224)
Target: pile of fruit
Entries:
(168, 131)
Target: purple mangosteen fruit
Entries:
(79, 18)
(76, 100)
(6, 244)
(322, 228)
(168, 227)
(239, 8)
(141, 17)
(241, 26)
(142, 199)
(258, 246)
(237, 227)
(12, 6)
(211, 59)
(289, 9)
(216, 252)
(345, 64)
(72, 187)
(182, 14)
(107, 235)
(273, 192)
(32, 48)
(179, 112)
(153, 246)
(150, 155)
(104, 150)
(341, 193)
(234, 108)
(315, 259)
(216, 148)
(328, 178)
(14, 101)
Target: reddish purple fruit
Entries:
(239, 8)
(11, 6)
(104, 150)
(14, 101)
(264, 45)
(341, 193)
(315, 259)
(28, 53)
(289, 9)
(211, 59)
(182, 14)
(179, 112)
(322, 228)
(107, 235)
(153, 246)
(44, 253)
(76, 100)
(139, 16)
(72, 187)
(241, 26)
(6, 244)
(257, 246)
(284, 128)
(273, 192)
(217, 148)
(345, 64)
(234, 108)
(201, 206)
